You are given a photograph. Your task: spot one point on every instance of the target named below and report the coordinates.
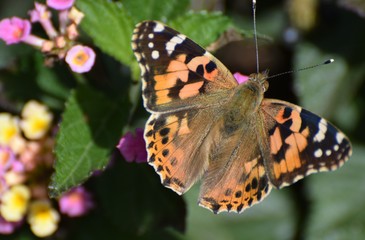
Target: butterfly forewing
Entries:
(176, 72)
(301, 143)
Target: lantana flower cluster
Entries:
(26, 161)
(61, 42)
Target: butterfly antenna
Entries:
(306, 68)
(255, 35)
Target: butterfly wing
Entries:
(178, 146)
(300, 143)
(176, 72)
(236, 177)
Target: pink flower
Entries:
(8, 227)
(80, 58)
(76, 202)
(60, 4)
(40, 14)
(7, 159)
(133, 147)
(240, 78)
(14, 30)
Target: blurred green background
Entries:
(293, 34)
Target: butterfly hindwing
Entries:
(177, 146)
(176, 72)
(301, 143)
(236, 177)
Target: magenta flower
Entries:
(14, 30)
(80, 58)
(8, 227)
(76, 202)
(60, 4)
(133, 147)
(240, 78)
(7, 159)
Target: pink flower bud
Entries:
(133, 147)
(76, 202)
(80, 58)
(8, 227)
(60, 4)
(14, 30)
(40, 14)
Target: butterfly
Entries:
(204, 125)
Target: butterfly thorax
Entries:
(244, 104)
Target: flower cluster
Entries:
(61, 43)
(26, 161)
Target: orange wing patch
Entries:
(301, 143)
(159, 135)
(238, 193)
(174, 68)
(173, 149)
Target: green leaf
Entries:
(338, 201)
(203, 28)
(54, 88)
(155, 9)
(91, 126)
(110, 26)
(131, 203)
(33, 80)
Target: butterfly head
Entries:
(260, 78)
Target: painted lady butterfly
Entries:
(204, 124)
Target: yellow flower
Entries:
(8, 128)
(14, 203)
(43, 219)
(36, 120)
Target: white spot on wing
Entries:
(318, 153)
(170, 45)
(143, 69)
(310, 171)
(324, 169)
(297, 178)
(322, 129)
(339, 137)
(335, 147)
(155, 54)
(150, 44)
(328, 152)
(159, 27)
(138, 56)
